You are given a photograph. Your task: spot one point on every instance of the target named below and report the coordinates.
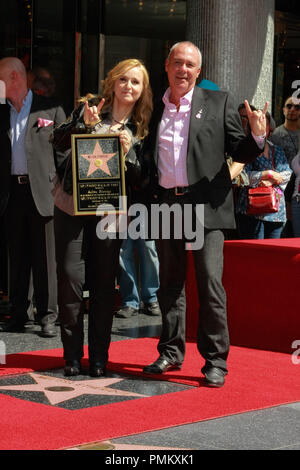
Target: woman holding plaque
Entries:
(83, 258)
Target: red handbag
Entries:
(263, 200)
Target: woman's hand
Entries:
(91, 113)
(265, 184)
(271, 178)
(274, 177)
(125, 141)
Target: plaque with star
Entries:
(98, 174)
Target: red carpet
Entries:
(257, 379)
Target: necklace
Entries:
(122, 124)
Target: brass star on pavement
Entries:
(98, 160)
(112, 445)
(58, 390)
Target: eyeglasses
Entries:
(290, 106)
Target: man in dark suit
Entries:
(27, 168)
(190, 135)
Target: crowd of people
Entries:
(276, 167)
(192, 148)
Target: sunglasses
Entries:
(290, 106)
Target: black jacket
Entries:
(61, 140)
(215, 129)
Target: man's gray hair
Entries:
(188, 43)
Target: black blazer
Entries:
(215, 130)
(40, 154)
(61, 141)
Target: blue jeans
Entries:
(296, 217)
(251, 228)
(269, 229)
(149, 272)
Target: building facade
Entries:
(250, 47)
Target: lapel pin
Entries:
(199, 114)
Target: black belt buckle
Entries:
(22, 179)
(179, 191)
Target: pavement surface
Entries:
(276, 428)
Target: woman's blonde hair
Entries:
(143, 107)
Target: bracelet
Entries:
(91, 126)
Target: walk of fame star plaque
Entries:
(98, 174)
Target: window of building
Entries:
(16, 30)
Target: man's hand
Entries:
(257, 119)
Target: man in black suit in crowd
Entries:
(191, 132)
(27, 168)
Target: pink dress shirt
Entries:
(173, 142)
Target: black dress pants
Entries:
(3, 258)
(27, 233)
(212, 335)
(85, 260)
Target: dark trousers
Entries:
(27, 233)
(212, 335)
(3, 258)
(85, 260)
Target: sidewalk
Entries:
(275, 428)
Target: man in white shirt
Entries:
(189, 136)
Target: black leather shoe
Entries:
(48, 331)
(126, 312)
(48, 328)
(160, 366)
(13, 326)
(214, 376)
(72, 368)
(97, 370)
(152, 309)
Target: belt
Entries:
(20, 179)
(178, 190)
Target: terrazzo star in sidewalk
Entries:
(59, 390)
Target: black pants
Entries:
(85, 260)
(3, 258)
(212, 335)
(27, 233)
